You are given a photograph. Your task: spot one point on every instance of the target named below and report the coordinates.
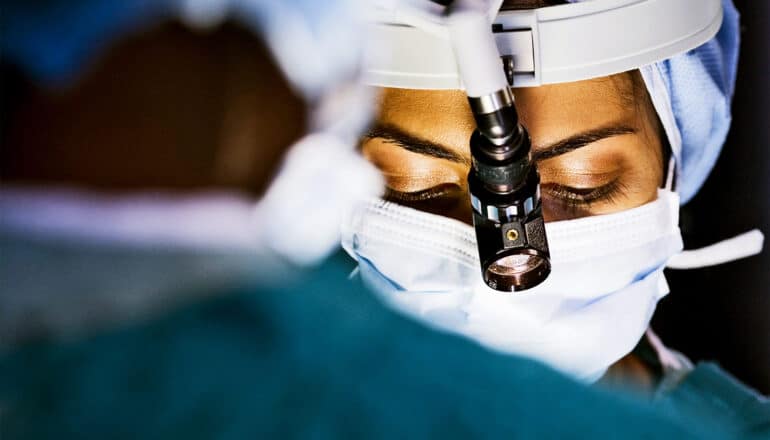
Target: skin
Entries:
(618, 162)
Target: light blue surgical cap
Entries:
(692, 93)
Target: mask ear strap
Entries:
(741, 246)
(671, 175)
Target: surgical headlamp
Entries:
(458, 47)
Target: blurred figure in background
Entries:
(144, 291)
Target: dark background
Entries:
(723, 313)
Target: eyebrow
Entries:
(400, 138)
(578, 141)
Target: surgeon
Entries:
(616, 154)
(156, 300)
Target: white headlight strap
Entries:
(556, 44)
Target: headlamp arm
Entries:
(501, 140)
(504, 185)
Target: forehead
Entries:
(549, 112)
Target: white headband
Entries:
(556, 44)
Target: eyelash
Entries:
(575, 199)
(444, 190)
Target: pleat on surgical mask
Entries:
(607, 278)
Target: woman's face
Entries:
(597, 145)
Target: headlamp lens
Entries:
(517, 272)
(513, 265)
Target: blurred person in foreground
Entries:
(146, 294)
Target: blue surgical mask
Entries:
(607, 277)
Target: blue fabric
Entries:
(318, 357)
(700, 84)
(709, 393)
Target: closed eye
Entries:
(439, 191)
(575, 199)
